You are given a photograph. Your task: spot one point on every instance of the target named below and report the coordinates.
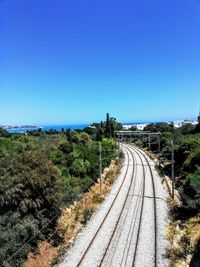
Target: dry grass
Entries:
(43, 258)
(178, 234)
(183, 239)
(72, 220)
(173, 202)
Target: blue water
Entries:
(48, 127)
(58, 127)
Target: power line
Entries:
(27, 242)
(59, 202)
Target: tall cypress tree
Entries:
(108, 126)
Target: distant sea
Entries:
(46, 128)
(59, 127)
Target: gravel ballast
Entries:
(122, 246)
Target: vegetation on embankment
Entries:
(184, 237)
(72, 220)
(42, 173)
(184, 230)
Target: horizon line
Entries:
(88, 123)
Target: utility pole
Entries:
(118, 149)
(149, 142)
(172, 166)
(100, 168)
(159, 149)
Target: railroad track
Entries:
(128, 249)
(154, 210)
(134, 232)
(106, 216)
(120, 216)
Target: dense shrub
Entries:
(66, 147)
(186, 145)
(79, 167)
(40, 173)
(27, 198)
(192, 190)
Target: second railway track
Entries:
(120, 238)
(100, 226)
(154, 211)
(130, 251)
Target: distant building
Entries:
(178, 124)
(194, 122)
(141, 126)
(127, 126)
(187, 122)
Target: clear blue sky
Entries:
(71, 61)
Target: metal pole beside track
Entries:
(159, 150)
(100, 168)
(172, 166)
(149, 140)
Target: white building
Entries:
(195, 122)
(178, 124)
(127, 126)
(141, 127)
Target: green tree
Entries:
(108, 126)
(74, 137)
(28, 197)
(27, 181)
(159, 127)
(85, 139)
(192, 190)
(197, 128)
(90, 130)
(4, 133)
(66, 147)
(99, 134)
(79, 167)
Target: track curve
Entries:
(128, 233)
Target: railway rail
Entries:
(154, 210)
(100, 226)
(128, 228)
(128, 248)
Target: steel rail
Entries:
(155, 209)
(141, 213)
(121, 212)
(100, 226)
(136, 212)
